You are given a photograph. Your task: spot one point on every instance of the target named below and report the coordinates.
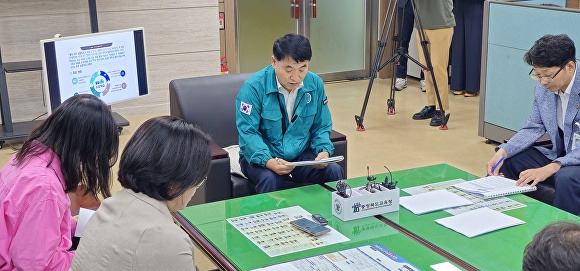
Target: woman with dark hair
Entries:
(76, 145)
(162, 166)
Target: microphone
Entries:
(341, 188)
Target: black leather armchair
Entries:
(209, 102)
(544, 193)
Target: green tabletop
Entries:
(498, 250)
(223, 240)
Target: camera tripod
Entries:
(399, 51)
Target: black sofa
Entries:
(209, 103)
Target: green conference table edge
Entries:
(481, 251)
(432, 235)
(230, 250)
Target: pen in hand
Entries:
(497, 164)
(280, 163)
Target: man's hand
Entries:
(321, 155)
(535, 175)
(278, 165)
(491, 163)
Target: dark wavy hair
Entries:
(165, 157)
(551, 51)
(84, 136)
(555, 247)
(294, 46)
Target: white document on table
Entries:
(444, 266)
(84, 216)
(272, 232)
(499, 204)
(373, 257)
(316, 162)
(479, 221)
(432, 201)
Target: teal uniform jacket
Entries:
(259, 119)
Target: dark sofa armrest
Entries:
(217, 152)
(337, 136)
(218, 185)
(339, 141)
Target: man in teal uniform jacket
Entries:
(282, 116)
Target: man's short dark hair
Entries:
(556, 247)
(551, 51)
(294, 46)
(165, 157)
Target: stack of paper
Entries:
(432, 201)
(316, 162)
(368, 257)
(492, 187)
(479, 221)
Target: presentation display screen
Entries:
(110, 65)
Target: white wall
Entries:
(182, 40)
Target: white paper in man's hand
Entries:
(316, 162)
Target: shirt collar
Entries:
(280, 87)
(569, 88)
(157, 204)
(53, 161)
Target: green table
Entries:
(230, 250)
(498, 250)
(416, 238)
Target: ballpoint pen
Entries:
(279, 163)
(497, 164)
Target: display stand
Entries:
(119, 120)
(21, 129)
(10, 130)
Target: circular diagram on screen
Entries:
(100, 83)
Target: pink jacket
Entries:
(36, 225)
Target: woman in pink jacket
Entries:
(76, 145)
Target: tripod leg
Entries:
(427, 56)
(376, 62)
(359, 119)
(391, 99)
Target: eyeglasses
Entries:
(550, 78)
(202, 182)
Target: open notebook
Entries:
(493, 186)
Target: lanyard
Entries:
(284, 114)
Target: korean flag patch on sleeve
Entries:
(246, 108)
